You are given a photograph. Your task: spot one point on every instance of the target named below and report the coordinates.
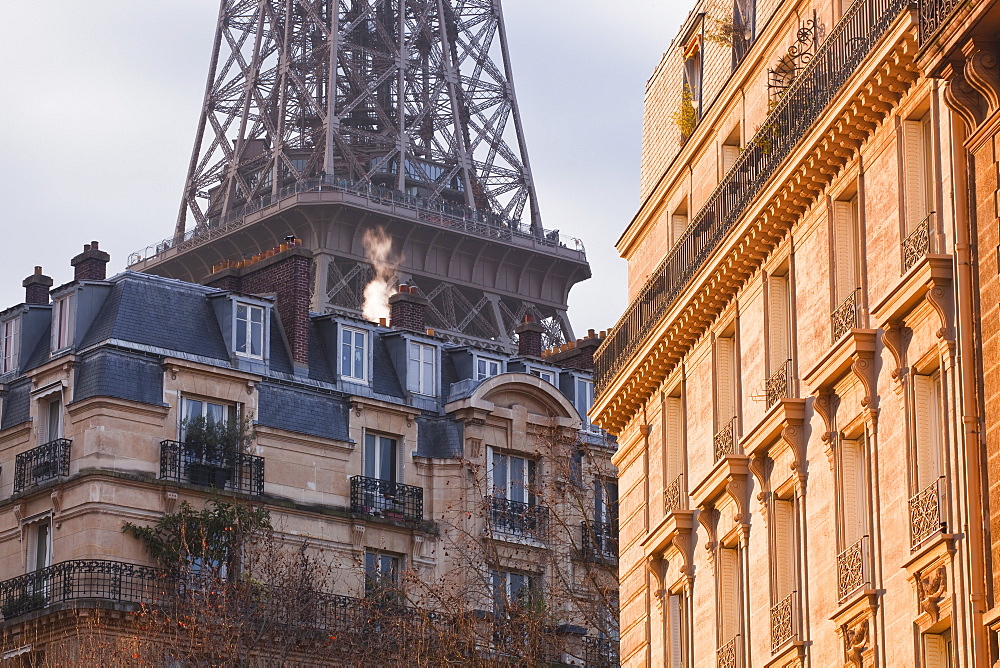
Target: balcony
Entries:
(725, 441)
(599, 541)
(728, 656)
(91, 579)
(600, 652)
(852, 569)
(241, 472)
(391, 500)
(933, 14)
(925, 514)
(845, 316)
(518, 519)
(917, 244)
(673, 495)
(782, 622)
(802, 104)
(39, 465)
(779, 385)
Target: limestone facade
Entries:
(793, 385)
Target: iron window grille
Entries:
(382, 498)
(917, 244)
(239, 472)
(779, 385)
(599, 541)
(926, 517)
(725, 440)
(600, 652)
(516, 518)
(41, 464)
(782, 622)
(845, 316)
(852, 569)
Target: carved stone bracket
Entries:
(657, 568)
(759, 467)
(169, 500)
(982, 73)
(358, 535)
(932, 589)
(864, 370)
(896, 338)
(708, 518)
(57, 505)
(857, 638)
(825, 403)
(939, 296)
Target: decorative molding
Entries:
(474, 446)
(20, 511)
(708, 518)
(931, 591)
(962, 98)
(169, 501)
(358, 535)
(982, 73)
(896, 338)
(856, 639)
(655, 565)
(56, 496)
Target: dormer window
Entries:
(420, 372)
(354, 354)
(487, 368)
(545, 374)
(10, 335)
(583, 399)
(249, 337)
(62, 322)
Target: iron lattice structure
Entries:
(411, 95)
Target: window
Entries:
(674, 450)
(778, 332)
(845, 249)
(928, 427)
(606, 502)
(512, 477)
(547, 376)
(783, 547)
(53, 416)
(487, 368)
(62, 323)
(938, 650)
(678, 221)
(692, 77)
(420, 375)
(380, 457)
(730, 589)
(354, 354)
(381, 575)
(730, 151)
(678, 648)
(249, 338)
(512, 591)
(918, 170)
(726, 370)
(211, 412)
(744, 12)
(10, 342)
(39, 545)
(853, 492)
(583, 399)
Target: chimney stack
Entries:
(91, 264)
(36, 288)
(408, 310)
(529, 337)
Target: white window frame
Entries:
(393, 579)
(584, 401)
(63, 322)
(503, 578)
(373, 457)
(487, 367)
(548, 375)
(348, 343)
(10, 344)
(417, 368)
(230, 411)
(528, 477)
(245, 348)
(30, 531)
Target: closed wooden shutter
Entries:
(674, 441)
(725, 399)
(729, 593)
(853, 492)
(778, 326)
(844, 250)
(914, 173)
(784, 548)
(674, 641)
(679, 223)
(936, 651)
(927, 427)
(729, 157)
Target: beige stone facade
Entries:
(793, 385)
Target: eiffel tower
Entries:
(326, 118)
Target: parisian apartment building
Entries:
(804, 384)
(385, 447)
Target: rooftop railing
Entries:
(427, 210)
(39, 465)
(850, 41)
(241, 472)
(933, 14)
(382, 498)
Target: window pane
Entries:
(427, 382)
(345, 355)
(256, 339)
(359, 355)
(387, 468)
(370, 457)
(257, 314)
(517, 480)
(241, 332)
(499, 474)
(215, 412)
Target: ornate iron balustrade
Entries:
(599, 540)
(852, 569)
(845, 317)
(673, 495)
(391, 500)
(600, 652)
(94, 579)
(779, 385)
(925, 513)
(725, 440)
(933, 14)
(917, 244)
(46, 462)
(185, 463)
(850, 41)
(522, 519)
(782, 622)
(728, 656)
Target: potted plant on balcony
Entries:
(213, 448)
(21, 602)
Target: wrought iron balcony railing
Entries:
(240, 472)
(926, 518)
(600, 652)
(673, 495)
(852, 569)
(850, 41)
(38, 465)
(782, 622)
(845, 317)
(599, 540)
(933, 14)
(725, 440)
(728, 656)
(391, 500)
(779, 385)
(520, 519)
(94, 579)
(917, 244)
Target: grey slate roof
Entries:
(16, 405)
(111, 373)
(384, 378)
(303, 412)
(40, 354)
(440, 438)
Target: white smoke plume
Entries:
(378, 250)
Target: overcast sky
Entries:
(99, 102)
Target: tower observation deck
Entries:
(329, 119)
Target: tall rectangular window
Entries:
(511, 591)
(678, 221)
(249, 334)
(847, 265)
(853, 492)
(928, 428)
(606, 501)
(420, 371)
(10, 342)
(692, 77)
(39, 545)
(380, 458)
(62, 322)
(354, 354)
(783, 547)
(512, 477)
(778, 322)
(918, 170)
(742, 29)
(674, 451)
(726, 379)
(583, 400)
(730, 590)
(53, 419)
(938, 650)
(678, 626)
(382, 575)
